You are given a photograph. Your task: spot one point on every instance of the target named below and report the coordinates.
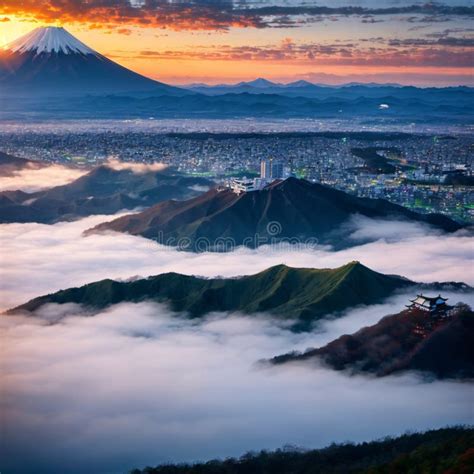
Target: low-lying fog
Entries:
(134, 386)
(137, 385)
(32, 180)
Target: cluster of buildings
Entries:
(240, 160)
(270, 170)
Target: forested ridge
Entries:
(442, 451)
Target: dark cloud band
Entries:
(207, 14)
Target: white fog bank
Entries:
(136, 385)
(32, 180)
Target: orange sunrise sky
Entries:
(222, 41)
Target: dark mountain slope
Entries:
(395, 343)
(9, 165)
(302, 294)
(55, 74)
(102, 191)
(302, 210)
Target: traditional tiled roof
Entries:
(429, 300)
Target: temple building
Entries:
(434, 305)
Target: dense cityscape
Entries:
(424, 172)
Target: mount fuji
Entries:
(51, 61)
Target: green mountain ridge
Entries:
(301, 294)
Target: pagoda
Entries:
(434, 305)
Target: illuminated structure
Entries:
(434, 305)
(271, 169)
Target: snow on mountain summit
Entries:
(51, 62)
(48, 40)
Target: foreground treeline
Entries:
(444, 451)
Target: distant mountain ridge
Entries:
(50, 74)
(421, 107)
(324, 91)
(303, 295)
(284, 210)
(101, 191)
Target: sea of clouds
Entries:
(137, 384)
(32, 180)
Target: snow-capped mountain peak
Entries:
(50, 39)
(51, 62)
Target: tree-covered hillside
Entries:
(301, 294)
(443, 451)
(410, 340)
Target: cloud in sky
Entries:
(135, 386)
(39, 259)
(215, 15)
(449, 52)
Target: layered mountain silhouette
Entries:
(103, 190)
(303, 295)
(10, 165)
(401, 342)
(50, 61)
(346, 91)
(49, 73)
(165, 104)
(284, 210)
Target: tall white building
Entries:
(271, 169)
(265, 169)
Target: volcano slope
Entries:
(292, 210)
